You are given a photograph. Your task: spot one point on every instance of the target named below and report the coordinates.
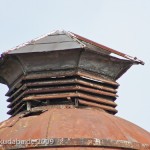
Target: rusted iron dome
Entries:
(62, 92)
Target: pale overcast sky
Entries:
(123, 25)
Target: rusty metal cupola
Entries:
(66, 73)
(62, 68)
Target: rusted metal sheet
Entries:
(107, 108)
(77, 142)
(62, 91)
(59, 89)
(97, 78)
(96, 99)
(77, 80)
(62, 37)
(81, 73)
(83, 84)
(96, 85)
(134, 59)
(15, 98)
(54, 49)
(69, 94)
(18, 91)
(102, 128)
(82, 81)
(18, 110)
(40, 75)
(100, 101)
(107, 66)
(10, 122)
(8, 73)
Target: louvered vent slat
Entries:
(81, 89)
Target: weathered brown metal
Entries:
(65, 95)
(97, 78)
(62, 92)
(104, 107)
(25, 61)
(134, 59)
(77, 124)
(99, 90)
(77, 142)
(91, 78)
(20, 108)
(62, 88)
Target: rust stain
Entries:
(78, 142)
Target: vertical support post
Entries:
(76, 102)
(28, 106)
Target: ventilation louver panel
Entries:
(79, 90)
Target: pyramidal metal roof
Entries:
(65, 40)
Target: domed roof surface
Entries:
(77, 124)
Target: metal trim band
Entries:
(72, 142)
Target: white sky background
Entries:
(123, 25)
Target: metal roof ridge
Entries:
(134, 59)
(73, 37)
(31, 41)
(79, 40)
